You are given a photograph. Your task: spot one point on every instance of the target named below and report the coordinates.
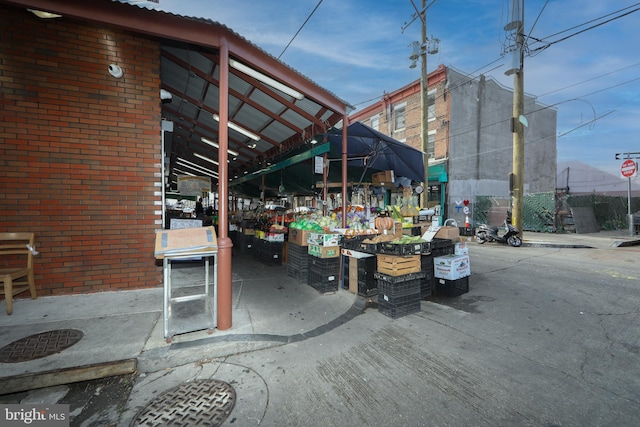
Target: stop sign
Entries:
(628, 168)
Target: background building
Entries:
(470, 143)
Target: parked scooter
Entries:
(486, 233)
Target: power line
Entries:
(593, 20)
(299, 29)
(584, 30)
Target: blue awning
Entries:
(368, 148)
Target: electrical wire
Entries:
(547, 45)
(299, 29)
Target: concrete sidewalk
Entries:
(123, 331)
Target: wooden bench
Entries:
(16, 262)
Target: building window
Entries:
(431, 145)
(431, 104)
(399, 116)
(375, 122)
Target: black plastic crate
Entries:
(323, 282)
(426, 287)
(398, 279)
(438, 247)
(269, 253)
(297, 255)
(389, 248)
(301, 276)
(398, 310)
(467, 231)
(245, 243)
(320, 264)
(370, 248)
(353, 243)
(271, 258)
(396, 290)
(451, 288)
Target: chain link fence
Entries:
(551, 212)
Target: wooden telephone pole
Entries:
(518, 120)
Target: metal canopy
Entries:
(190, 73)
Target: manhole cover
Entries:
(39, 345)
(196, 403)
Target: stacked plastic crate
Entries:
(246, 235)
(269, 253)
(324, 261)
(398, 295)
(398, 279)
(297, 262)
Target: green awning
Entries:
(438, 173)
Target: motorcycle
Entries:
(486, 233)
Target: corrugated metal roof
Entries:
(190, 72)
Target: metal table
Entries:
(194, 307)
(189, 312)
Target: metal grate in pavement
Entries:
(197, 403)
(39, 345)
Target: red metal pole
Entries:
(345, 125)
(224, 242)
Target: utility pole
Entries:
(424, 50)
(518, 120)
(424, 98)
(518, 137)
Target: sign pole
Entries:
(628, 169)
(629, 214)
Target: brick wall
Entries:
(412, 133)
(80, 151)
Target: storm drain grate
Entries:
(39, 345)
(196, 403)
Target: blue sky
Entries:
(357, 50)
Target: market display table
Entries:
(191, 308)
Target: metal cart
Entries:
(189, 307)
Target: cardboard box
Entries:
(324, 239)
(461, 248)
(353, 275)
(299, 237)
(323, 251)
(274, 237)
(451, 267)
(383, 178)
(451, 233)
(398, 265)
(355, 254)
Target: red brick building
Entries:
(79, 158)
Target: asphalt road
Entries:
(545, 337)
